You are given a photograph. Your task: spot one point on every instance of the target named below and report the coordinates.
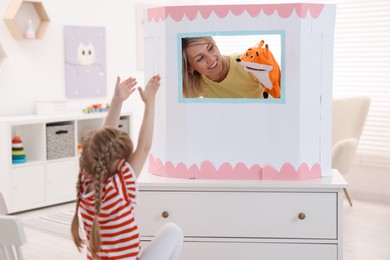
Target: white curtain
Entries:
(362, 67)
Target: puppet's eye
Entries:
(257, 54)
(246, 54)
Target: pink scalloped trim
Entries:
(284, 10)
(288, 172)
(207, 170)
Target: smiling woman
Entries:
(212, 70)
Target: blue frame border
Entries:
(281, 100)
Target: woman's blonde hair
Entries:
(192, 87)
(102, 149)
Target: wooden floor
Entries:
(366, 235)
(366, 231)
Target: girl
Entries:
(106, 186)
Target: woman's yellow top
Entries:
(237, 84)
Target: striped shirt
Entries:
(118, 229)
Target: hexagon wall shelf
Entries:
(12, 11)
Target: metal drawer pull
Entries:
(301, 216)
(165, 214)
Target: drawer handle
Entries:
(165, 214)
(301, 216)
(60, 132)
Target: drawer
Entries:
(255, 251)
(240, 214)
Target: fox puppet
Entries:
(261, 62)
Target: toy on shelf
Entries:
(30, 31)
(95, 108)
(79, 148)
(18, 154)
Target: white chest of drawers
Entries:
(240, 219)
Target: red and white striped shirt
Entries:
(118, 229)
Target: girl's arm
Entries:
(138, 158)
(122, 91)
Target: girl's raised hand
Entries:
(125, 88)
(148, 94)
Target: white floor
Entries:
(366, 234)
(48, 247)
(366, 231)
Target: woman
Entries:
(207, 73)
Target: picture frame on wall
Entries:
(85, 62)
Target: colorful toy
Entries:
(261, 62)
(79, 148)
(96, 108)
(18, 154)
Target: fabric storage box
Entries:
(124, 124)
(60, 140)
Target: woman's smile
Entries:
(215, 63)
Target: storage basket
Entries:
(124, 124)
(60, 140)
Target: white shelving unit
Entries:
(40, 181)
(246, 219)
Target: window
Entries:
(362, 67)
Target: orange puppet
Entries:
(261, 62)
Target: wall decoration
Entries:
(85, 62)
(34, 10)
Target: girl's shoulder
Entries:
(127, 171)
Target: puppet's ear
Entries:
(266, 50)
(261, 43)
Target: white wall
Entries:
(34, 70)
(368, 182)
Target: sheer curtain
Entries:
(362, 67)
